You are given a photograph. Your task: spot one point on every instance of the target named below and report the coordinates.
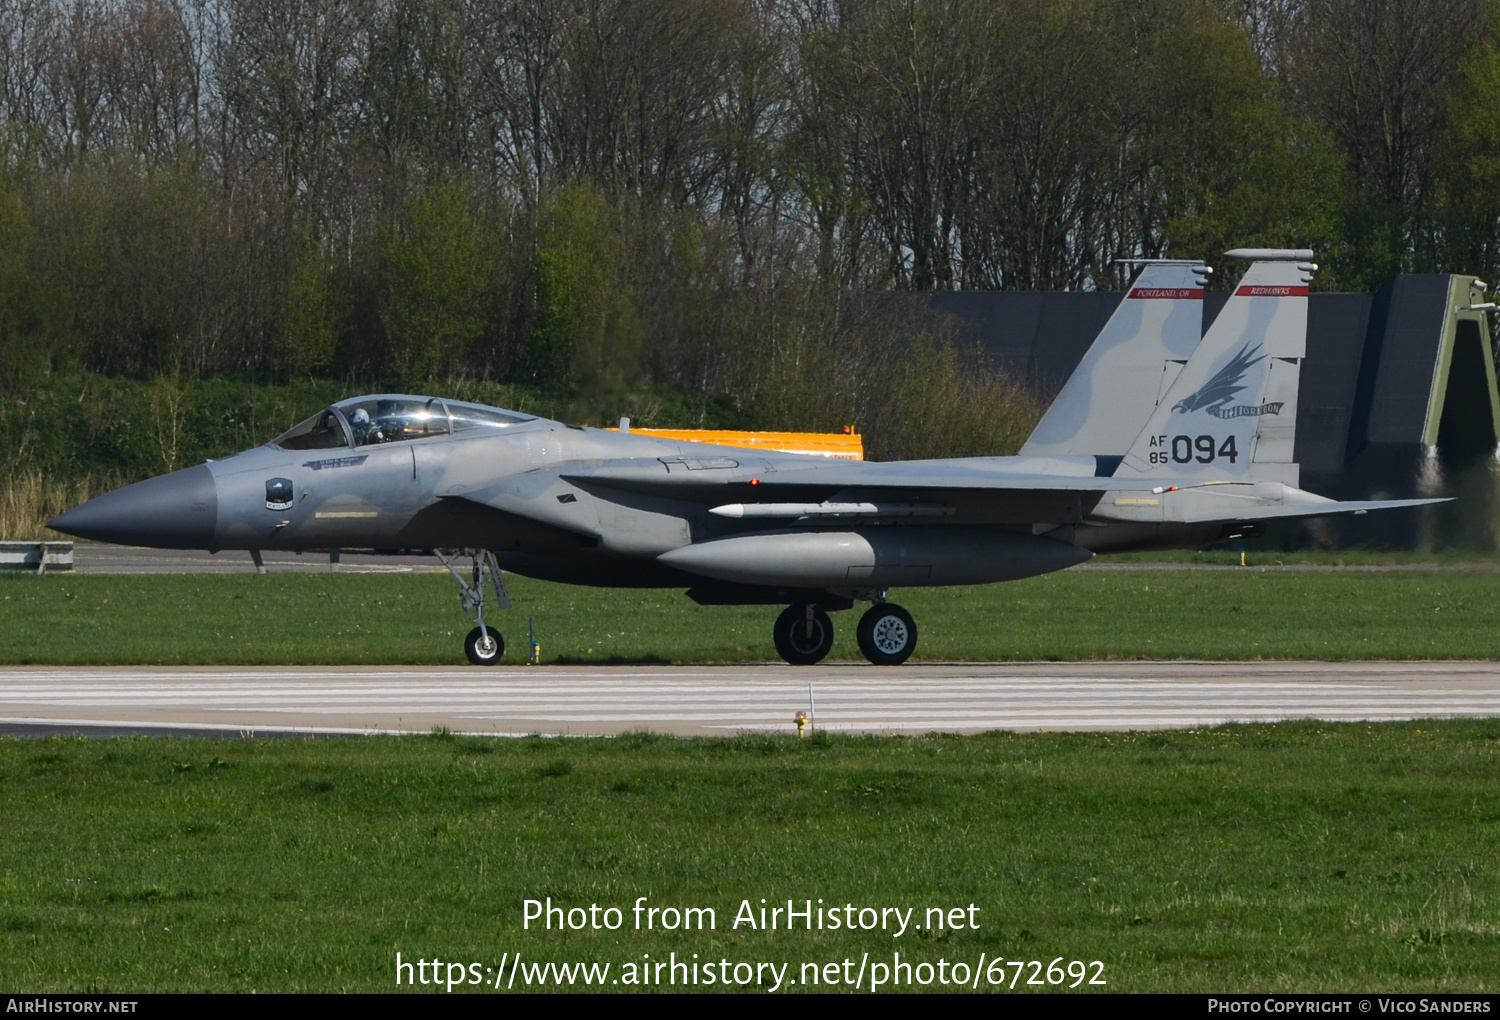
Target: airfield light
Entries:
(801, 720)
(755, 481)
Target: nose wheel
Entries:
(804, 635)
(484, 646)
(887, 634)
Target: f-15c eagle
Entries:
(1156, 441)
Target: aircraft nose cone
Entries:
(175, 511)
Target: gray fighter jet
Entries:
(1157, 441)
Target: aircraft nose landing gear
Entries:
(484, 645)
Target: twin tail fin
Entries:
(1126, 371)
(1231, 413)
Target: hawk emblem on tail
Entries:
(1222, 388)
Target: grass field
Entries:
(1299, 856)
(414, 618)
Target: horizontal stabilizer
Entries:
(1334, 507)
(1229, 502)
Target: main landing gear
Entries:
(887, 634)
(484, 646)
(804, 634)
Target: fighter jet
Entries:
(1157, 441)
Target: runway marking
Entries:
(912, 699)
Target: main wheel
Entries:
(887, 635)
(484, 649)
(803, 640)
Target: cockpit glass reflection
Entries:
(323, 431)
(395, 419)
(479, 416)
(372, 420)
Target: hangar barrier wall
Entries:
(1398, 398)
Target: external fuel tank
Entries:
(878, 557)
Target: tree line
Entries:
(740, 197)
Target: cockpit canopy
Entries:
(366, 421)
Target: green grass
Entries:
(414, 618)
(1298, 856)
(1226, 555)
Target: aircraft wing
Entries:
(691, 477)
(761, 487)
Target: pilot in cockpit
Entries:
(359, 420)
(387, 426)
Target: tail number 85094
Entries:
(1183, 449)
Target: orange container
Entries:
(848, 445)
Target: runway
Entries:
(964, 698)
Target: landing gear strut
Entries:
(484, 646)
(804, 635)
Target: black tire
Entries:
(481, 656)
(887, 635)
(801, 641)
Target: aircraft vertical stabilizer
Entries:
(1130, 365)
(1231, 413)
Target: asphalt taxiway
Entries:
(911, 699)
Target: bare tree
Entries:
(28, 45)
(1374, 73)
(290, 71)
(158, 91)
